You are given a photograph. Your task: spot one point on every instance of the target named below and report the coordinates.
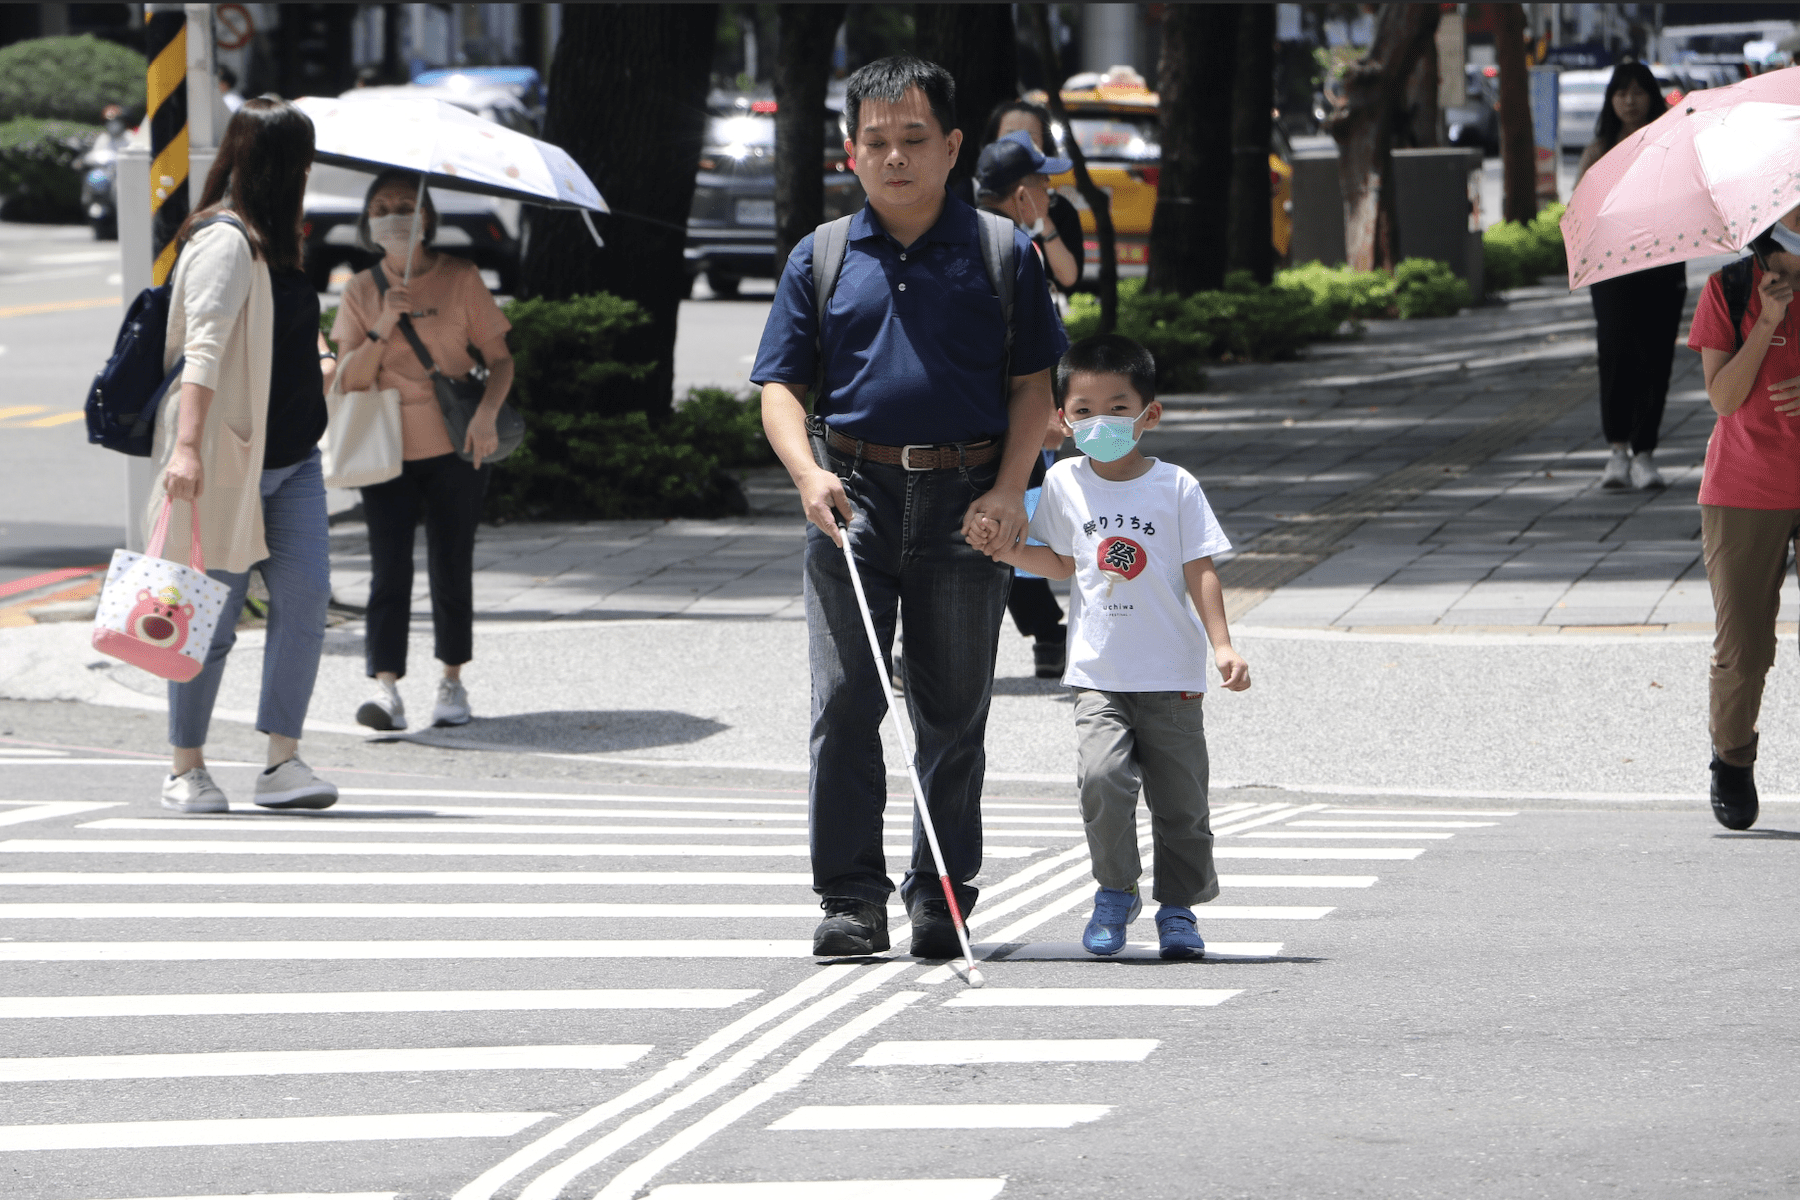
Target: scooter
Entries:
(99, 179)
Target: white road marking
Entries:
(1315, 852)
(319, 1062)
(390, 912)
(448, 849)
(1133, 951)
(835, 1189)
(421, 811)
(577, 797)
(860, 1117)
(176, 1004)
(359, 951)
(315, 825)
(1348, 835)
(1421, 812)
(1395, 824)
(252, 1131)
(34, 752)
(1282, 812)
(993, 997)
(49, 810)
(287, 1196)
(1014, 1050)
(1261, 881)
(408, 878)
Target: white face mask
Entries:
(393, 233)
(1786, 238)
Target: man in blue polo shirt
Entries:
(910, 443)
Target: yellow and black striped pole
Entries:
(167, 102)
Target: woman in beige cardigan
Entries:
(240, 443)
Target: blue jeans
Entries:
(298, 572)
(909, 548)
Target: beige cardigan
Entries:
(222, 316)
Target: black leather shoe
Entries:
(1733, 794)
(850, 928)
(1049, 658)
(933, 932)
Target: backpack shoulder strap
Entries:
(1734, 282)
(997, 254)
(831, 241)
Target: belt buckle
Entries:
(906, 457)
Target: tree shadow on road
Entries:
(572, 732)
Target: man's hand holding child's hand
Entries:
(1234, 672)
(984, 535)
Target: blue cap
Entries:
(1006, 161)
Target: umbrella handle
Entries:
(412, 239)
(588, 220)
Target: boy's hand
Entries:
(1234, 672)
(983, 532)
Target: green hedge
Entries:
(69, 78)
(1518, 255)
(576, 464)
(38, 175)
(1247, 322)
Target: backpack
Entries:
(832, 240)
(1734, 282)
(123, 400)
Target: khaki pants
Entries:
(1154, 742)
(1745, 551)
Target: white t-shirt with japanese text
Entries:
(1131, 628)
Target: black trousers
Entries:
(450, 492)
(1638, 316)
(1035, 611)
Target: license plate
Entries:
(756, 212)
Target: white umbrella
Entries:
(449, 147)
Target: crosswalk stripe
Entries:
(215, 909)
(1133, 951)
(365, 812)
(327, 951)
(941, 1116)
(250, 1131)
(1016, 1050)
(1315, 852)
(286, 1196)
(409, 878)
(1395, 824)
(1422, 812)
(318, 1062)
(458, 828)
(177, 1004)
(49, 810)
(1349, 835)
(833, 1189)
(1275, 881)
(993, 997)
(449, 849)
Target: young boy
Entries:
(1138, 536)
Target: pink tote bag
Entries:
(157, 614)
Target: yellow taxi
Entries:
(1117, 126)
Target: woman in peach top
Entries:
(451, 310)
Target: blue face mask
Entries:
(1105, 439)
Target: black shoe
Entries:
(1050, 658)
(1733, 794)
(933, 932)
(850, 928)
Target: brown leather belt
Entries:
(942, 457)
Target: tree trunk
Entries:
(628, 102)
(976, 43)
(1421, 128)
(1189, 236)
(1037, 23)
(802, 72)
(393, 67)
(1252, 115)
(1374, 94)
(1518, 149)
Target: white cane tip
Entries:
(976, 979)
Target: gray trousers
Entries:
(1154, 742)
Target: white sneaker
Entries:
(1644, 474)
(384, 710)
(1618, 469)
(293, 785)
(194, 792)
(452, 703)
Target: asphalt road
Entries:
(1414, 998)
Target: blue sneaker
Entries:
(1176, 930)
(1113, 911)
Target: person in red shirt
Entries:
(1749, 498)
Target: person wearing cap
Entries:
(1013, 177)
(923, 431)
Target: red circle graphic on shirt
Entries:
(1121, 556)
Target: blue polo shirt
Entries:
(915, 338)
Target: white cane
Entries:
(973, 975)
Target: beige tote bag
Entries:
(362, 441)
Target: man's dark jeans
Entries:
(909, 548)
